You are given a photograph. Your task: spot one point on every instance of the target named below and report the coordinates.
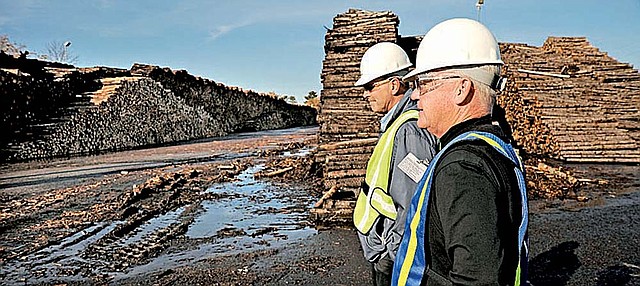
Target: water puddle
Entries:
(254, 207)
(301, 152)
(252, 215)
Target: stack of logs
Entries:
(138, 112)
(349, 129)
(54, 110)
(570, 101)
(109, 86)
(236, 109)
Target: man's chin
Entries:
(377, 110)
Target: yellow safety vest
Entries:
(374, 200)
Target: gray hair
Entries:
(482, 87)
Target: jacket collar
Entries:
(476, 124)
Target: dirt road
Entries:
(199, 213)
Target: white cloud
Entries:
(105, 4)
(225, 29)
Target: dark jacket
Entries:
(474, 212)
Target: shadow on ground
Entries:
(555, 266)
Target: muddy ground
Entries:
(232, 212)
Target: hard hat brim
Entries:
(416, 71)
(412, 74)
(367, 78)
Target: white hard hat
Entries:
(456, 43)
(382, 59)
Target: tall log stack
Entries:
(570, 101)
(349, 129)
(565, 100)
(345, 117)
(54, 110)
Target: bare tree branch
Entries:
(59, 52)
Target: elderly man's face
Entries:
(379, 95)
(433, 93)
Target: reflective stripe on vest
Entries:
(377, 201)
(410, 263)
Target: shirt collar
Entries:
(386, 119)
(403, 105)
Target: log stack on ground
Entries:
(236, 109)
(345, 117)
(136, 112)
(570, 101)
(52, 110)
(349, 129)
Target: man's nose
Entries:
(415, 94)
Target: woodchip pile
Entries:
(570, 101)
(51, 110)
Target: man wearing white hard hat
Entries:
(467, 223)
(397, 162)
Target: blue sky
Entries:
(268, 45)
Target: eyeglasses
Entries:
(370, 86)
(429, 84)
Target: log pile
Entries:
(570, 101)
(236, 109)
(347, 122)
(109, 86)
(138, 112)
(32, 105)
(349, 129)
(59, 110)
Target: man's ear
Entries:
(395, 86)
(463, 92)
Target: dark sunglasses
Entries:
(370, 86)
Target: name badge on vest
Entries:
(412, 167)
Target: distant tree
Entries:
(289, 99)
(312, 99)
(312, 94)
(10, 48)
(59, 52)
